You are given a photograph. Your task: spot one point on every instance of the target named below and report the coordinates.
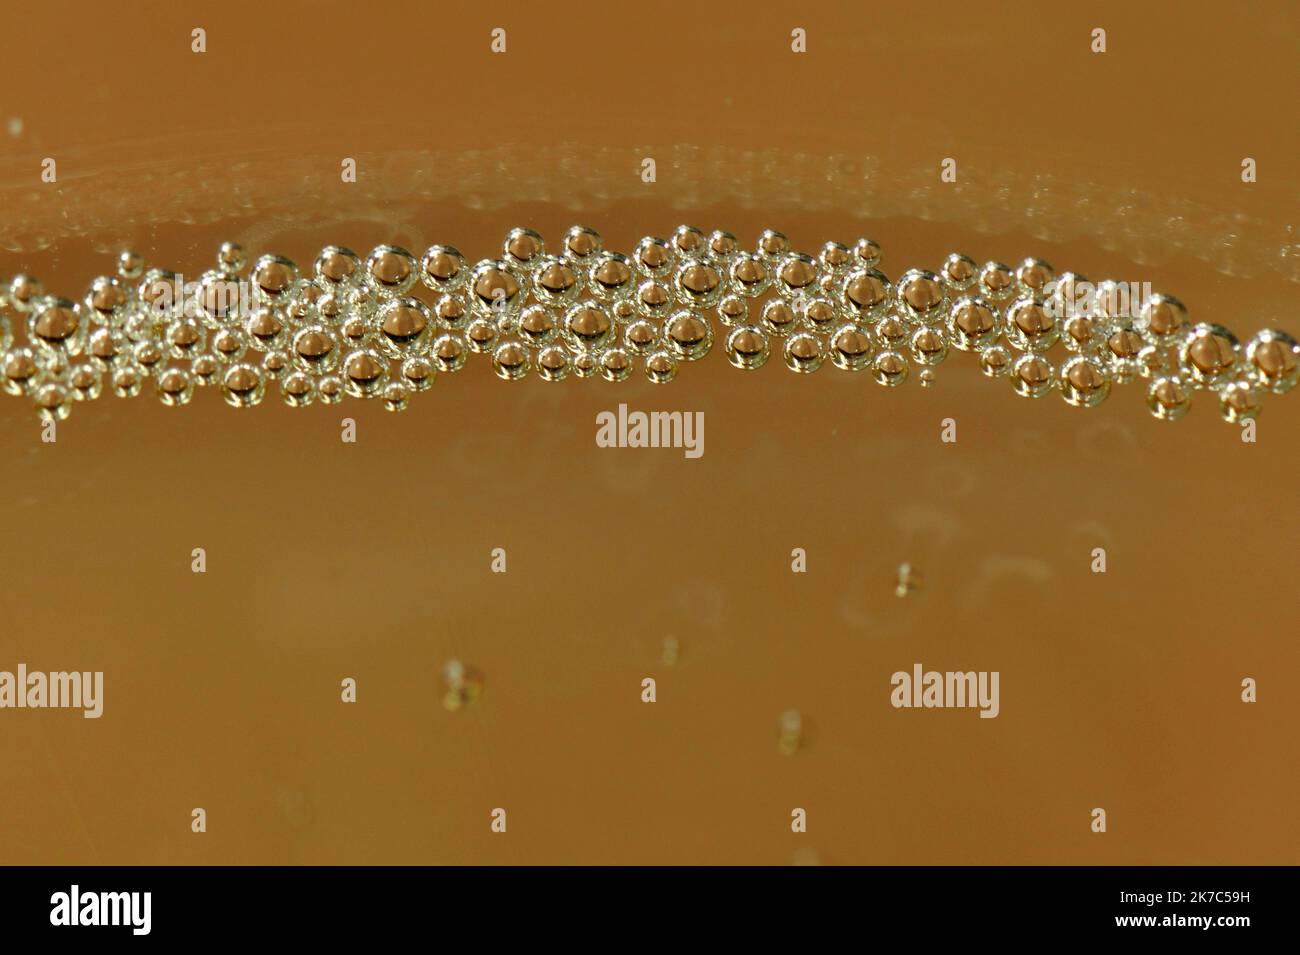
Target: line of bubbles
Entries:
(385, 326)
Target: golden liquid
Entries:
(372, 560)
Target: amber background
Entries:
(371, 561)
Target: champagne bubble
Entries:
(53, 401)
(796, 275)
(553, 364)
(959, 272)
(242, 386)
(57, 325)
(1209, 356)
(496, 290)
(159, 296)
(130, 265)
(390, 271)
(86, 380)
(624, 311)
(641, 337)
(109, 301)
(1273, 359)
(205, 369)
(582, 244)
(443, 269)
(866, 294)
(1163, 319)
(418, 373)
(996, 282)
(523, 248)
(615, 365)
(21, 372)
(510, 360)
(330, 389)
(747, 347)
(926, 377)
(889, 368)
(587, 327)
(610, 276)
(449, 352)
(315, 349)
(922, 296)
(364, 373)
(127, 379)
(973, 323)
(803, 353)
(337, 267)
(538, 326)
(660, 367)
(749, 275)
(1084, 381)
(1033, 276)
(1083, 333)
(1069, 295)
(891, 332)
(820, 315)
(772, 245)
(229, 345)
(481, 335)
(175, 387)
(866, 252)
(266, 327)
(1168, 398)
(298, 389)
(779, 318)
(697, 284)
(403, 327)
(24, 291)
(723, 245)
(397, 396)
(1239, 400)
(653, 299)
(1031, 375)
(688, 335)
(995, 361)
(1123, 345)
(850, 348)
(105, 345)
(231, 258)
(653, 257)
(1031, 325)
(273, 277)
(835, 258)
(557, 281)
(149, 355)
(451, 313)
(217, 299)
(928, 346)
(274, 365)
(688, 241)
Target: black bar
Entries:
(481, 905)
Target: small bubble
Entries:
(907, 581)
(791, 734)
(670, 651)
(462, 685)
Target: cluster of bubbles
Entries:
(384, 326)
